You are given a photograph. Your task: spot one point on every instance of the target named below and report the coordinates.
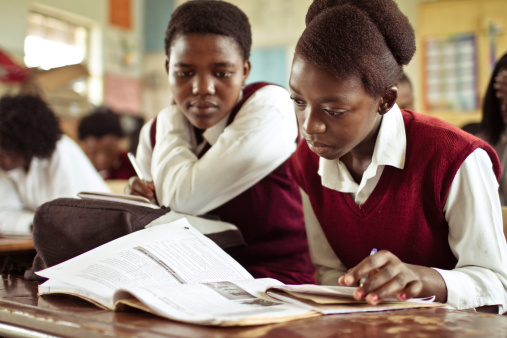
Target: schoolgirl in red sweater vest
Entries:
(419, 190)
(222, 148)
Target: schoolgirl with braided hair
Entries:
(422, 192)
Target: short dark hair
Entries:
(370, 39)
(492, 124)
(100, 122)
(210, 17)
(28, 126)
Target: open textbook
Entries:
(174, 271)
(114, 197)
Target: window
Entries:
(53, 42)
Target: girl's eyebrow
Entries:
(217, 64)
(321, 99)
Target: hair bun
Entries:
(386, 15)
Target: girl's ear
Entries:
(167, 65)
(388, 100)
(247, 66)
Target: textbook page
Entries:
(122, 198)
(167, 254)
(224, 303)
(329, 299)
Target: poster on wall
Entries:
(450, 73)
(122, 94)
(120, 13)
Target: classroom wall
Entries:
(276, 26)
(448, 17)
(107, 39)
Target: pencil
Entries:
(132, 159)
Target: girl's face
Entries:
(337, 117)
(206, 73)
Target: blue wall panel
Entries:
(269, 64)
(156, 16)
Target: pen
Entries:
(132, 159)
(363, 279)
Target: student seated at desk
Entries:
(492, 128)
(37, 163)
(214, 155)
(422, 192)
(99, 135)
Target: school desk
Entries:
(20, 251)
(23, 314)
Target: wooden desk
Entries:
(20, 308)
(15, 244)
(16, 253)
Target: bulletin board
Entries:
(450, 73)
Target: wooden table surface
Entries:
(70, 316)
(15, 244)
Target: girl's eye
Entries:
(297, 102)
(333, 112)
(187, 73)
(224, 74)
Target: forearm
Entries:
(432, 281)
(242, 155)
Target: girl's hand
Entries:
(138, 187)
(386, 276)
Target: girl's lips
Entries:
(318, 148)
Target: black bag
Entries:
(67, 227)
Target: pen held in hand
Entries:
(132, 159)
(363, 279)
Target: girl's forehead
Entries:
(306, 76)
(203, 44)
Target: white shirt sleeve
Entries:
(144, 151)
(476, 237)
(329, 268)
(14, 218)
(261, 137)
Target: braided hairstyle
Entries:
(28, 126)
(210, 17)
(371, 39)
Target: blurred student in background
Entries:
(494, 119)
(100, 135)
(37, 163)
(405, 98)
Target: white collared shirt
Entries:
(261, 137)
(472, 210)
(67, 172)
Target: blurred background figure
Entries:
(100, 135)
(405, 98)
(37, 163)
(494, 119)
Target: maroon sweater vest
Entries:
(404, 212)
(270, 217)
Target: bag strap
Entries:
(248, 91)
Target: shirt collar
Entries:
(213, 133)
(390, 149)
